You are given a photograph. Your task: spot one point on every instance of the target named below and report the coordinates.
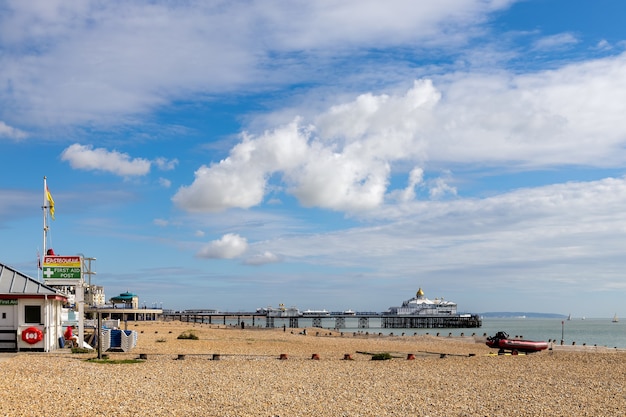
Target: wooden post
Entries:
(99, 333)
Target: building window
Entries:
(32, 314)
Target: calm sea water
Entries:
(601, 332)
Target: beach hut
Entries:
(30, 313)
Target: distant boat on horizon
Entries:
(569, 317)
(615, 318)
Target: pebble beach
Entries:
(239, 372)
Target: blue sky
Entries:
(335, 155)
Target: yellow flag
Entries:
(49, 196)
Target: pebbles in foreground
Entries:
(250, 380)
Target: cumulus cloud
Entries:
(229, 246)
(333, 167)
(340, 182)
(11, 132)
(87, 158)
(220, 187)
(343, 159)
(240, 180)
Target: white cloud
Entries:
(11, 132)
(165, 165)
(339, 181)
(220, 187)
(343, 160)
(107, 62)
(572, 115)
(240, 180)
(440, 188)
(328, 24)
(340, 169)
(416, 178)
(165, 183)
(557, 41)
(536, 235)
(228, 247)
(604, 45)
(87, 158)
(262, 259)
(161, 222)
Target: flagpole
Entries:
(38, 265)
(45, 214)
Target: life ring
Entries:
(32, 335)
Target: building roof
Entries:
(14, 283)
(125, 296)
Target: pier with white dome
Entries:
(418, 312)
(421, 312)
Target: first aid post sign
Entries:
(61, 267)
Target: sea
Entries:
(589, 332)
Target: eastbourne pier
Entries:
(333, 320)
(418, 312)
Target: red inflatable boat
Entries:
(501, 341)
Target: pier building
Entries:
(421, 312)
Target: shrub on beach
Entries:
(189, 334)
(381, 356)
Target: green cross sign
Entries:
(57, 272)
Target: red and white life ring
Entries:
(32, 335)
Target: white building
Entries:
(422, 305)
(281, 311)
(30, 313)
(94, 295)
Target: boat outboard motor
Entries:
(499, 336)
(502, 335)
